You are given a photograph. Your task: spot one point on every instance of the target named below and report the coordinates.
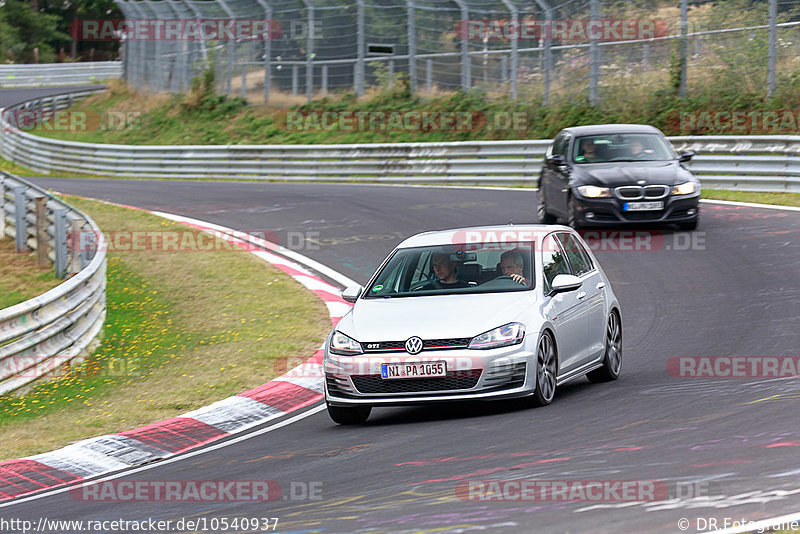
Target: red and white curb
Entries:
(294, 390)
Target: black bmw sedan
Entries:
(615, 174)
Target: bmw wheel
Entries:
(572, 214)
(612, 361)
(541, 211)
(546, 369)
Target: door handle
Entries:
(601, 285)
(581, 295)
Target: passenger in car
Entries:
(512, 264)
(445, 270)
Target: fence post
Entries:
(20, 222)
(548, 59)
(324, 79)
(231, 46)
(594, 68)
(514, 49)
(682, 90)
(294, 80)
(359, 70)
(267, 47)
(310, 52)
(429, 74)
(773, 16)
(41, 231)
(391, 73)
(60, 241)
(465, 60)
(412, 47)
(2, 206)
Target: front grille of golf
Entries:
(453, 381)
(427, 344)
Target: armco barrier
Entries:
(56, 74)
(754, 163)
(39, 335)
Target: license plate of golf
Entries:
(643, 206)
(390, 371)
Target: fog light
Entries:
(589, 215)
(691, 212)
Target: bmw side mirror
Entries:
(563, 283)
(352, 293)
(556, 159)
(686, 156)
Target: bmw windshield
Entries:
(449, 269)
(621, 147)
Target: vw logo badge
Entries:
(414, 345)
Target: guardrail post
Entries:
(75, 244)
(41, 231)
(60, 241)
(20, 222)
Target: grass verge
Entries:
(781, 199)
(20, 278)
(183, 330)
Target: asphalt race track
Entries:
(722, 447)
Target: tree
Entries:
(24, 30)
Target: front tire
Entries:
(572, 214)
(541, 210)
(349, 415)
(546, 369)
(688, 226)
(612, 360)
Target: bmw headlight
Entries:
(592, 191)
(344, 345)
(686, 188)
(502, 336)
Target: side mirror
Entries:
(352, 293)
(686, 156)
(565, 282)
(556, 159)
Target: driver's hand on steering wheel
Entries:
(518, 278)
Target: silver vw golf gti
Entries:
(474, 314)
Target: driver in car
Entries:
(445, 270)
(512, 264)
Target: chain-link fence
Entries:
(534, 50)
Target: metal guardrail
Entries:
(40, 335)
(56, 74)
(748, 163)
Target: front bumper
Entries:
(609, 211)
(472, 375)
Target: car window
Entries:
(578, 258)
(554, 262)
(558, 144)
(564, 145)
(460, 268)
(621, 147)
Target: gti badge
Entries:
(413, 345)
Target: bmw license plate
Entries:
(413, 370)
(643, 206)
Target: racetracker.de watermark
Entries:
(69, 120)
(177, 29)
(534, 490)
(735, 121)
(734, 366)
(561, 30)
(404, 121)
(196, 491)
(189, 240)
